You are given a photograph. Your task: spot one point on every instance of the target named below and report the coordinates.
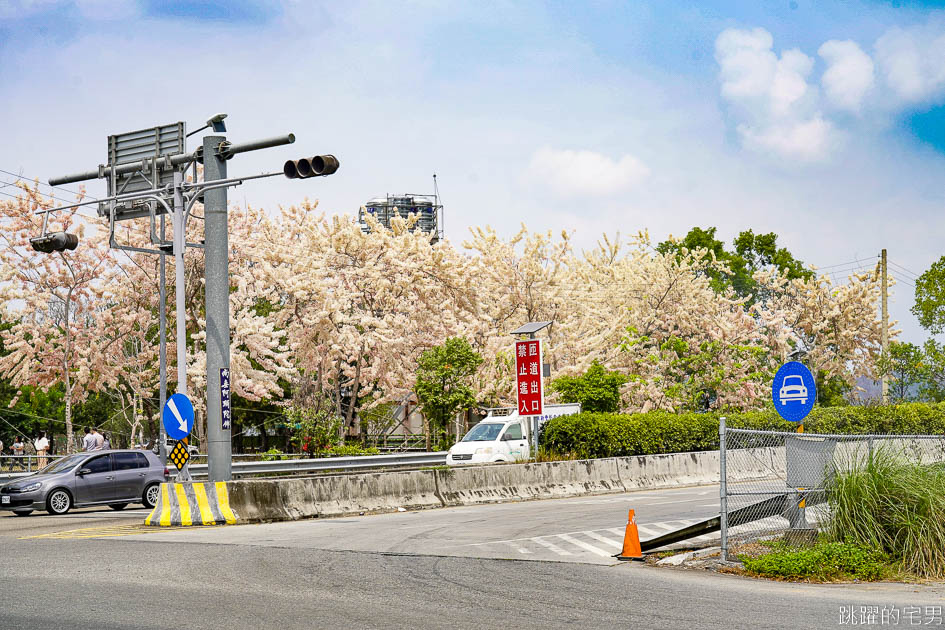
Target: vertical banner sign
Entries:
(225, 397)
(528, 383)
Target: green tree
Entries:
(598, 389)
(930, 298)
(443, 383)
(752, 252)
(905, 370)
(932, 387)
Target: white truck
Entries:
(502, 436)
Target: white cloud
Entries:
(807, 140)
(849, 74)
(776, 107)
(571, 173)
(912, 62)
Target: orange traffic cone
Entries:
(631, 541)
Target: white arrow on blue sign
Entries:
(178, 417)
(793, 391)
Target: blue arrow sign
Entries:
(793, 391)
(178, 417)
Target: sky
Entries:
(821, 121)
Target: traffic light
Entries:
(311, 167)
(55, 242)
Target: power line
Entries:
(852, 262)
(22, 177)
(47, 195)
(903, 269)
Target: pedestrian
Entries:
(99, 440)
(18, 448)
(1, 453)
(42, 447)
(107, 444)
(88, 442)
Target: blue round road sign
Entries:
(793, 391)
(178, 417)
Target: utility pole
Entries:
(885, 336)
(216, 272)
(162, 436)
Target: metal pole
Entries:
(180, 241)
(885, 333)
(162, 448)
(216, 274)
(723, 491)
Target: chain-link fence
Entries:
(774, 483)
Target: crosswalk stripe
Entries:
(619, 531)
(553, 547)
(643, 530)
(518, 548)
(605, 540)
(584, 545)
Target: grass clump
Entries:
(895, 506)
(823, 562)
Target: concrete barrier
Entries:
(292, 499)
(186, 504)
(511, 482)
(261, 500)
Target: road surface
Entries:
(537, 564)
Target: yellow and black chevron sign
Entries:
(179, 454)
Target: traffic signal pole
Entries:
(176, 199)
(217, 277)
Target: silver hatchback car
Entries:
(112, 478)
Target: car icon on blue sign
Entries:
(793, 389)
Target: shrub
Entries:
(825, 561)
(617, 435)
(888, 503)
(346, 450)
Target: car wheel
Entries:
(150, 496)
(118, 506)
(22, 512)
(59, 501)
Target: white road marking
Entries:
(604, 539)
(553, 547)
(519, 548)
(584, 545)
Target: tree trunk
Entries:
(341, 415)
(349, 417)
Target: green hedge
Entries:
(617, 435)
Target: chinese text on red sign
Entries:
(528, 377)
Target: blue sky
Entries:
(819, 121)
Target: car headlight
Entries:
(31, 487)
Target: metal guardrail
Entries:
(302, 466)
(346, 464)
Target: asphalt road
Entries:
(450, 568)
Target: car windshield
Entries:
(63, 464)
(793, 380)
(484, 432)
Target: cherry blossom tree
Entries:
(52, 301)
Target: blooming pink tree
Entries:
(52, 301)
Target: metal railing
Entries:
(24, 463)
(344, 464)
(289, 466)
(776, 482)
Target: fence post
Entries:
(723, 492)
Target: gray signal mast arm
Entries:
(225, 150)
